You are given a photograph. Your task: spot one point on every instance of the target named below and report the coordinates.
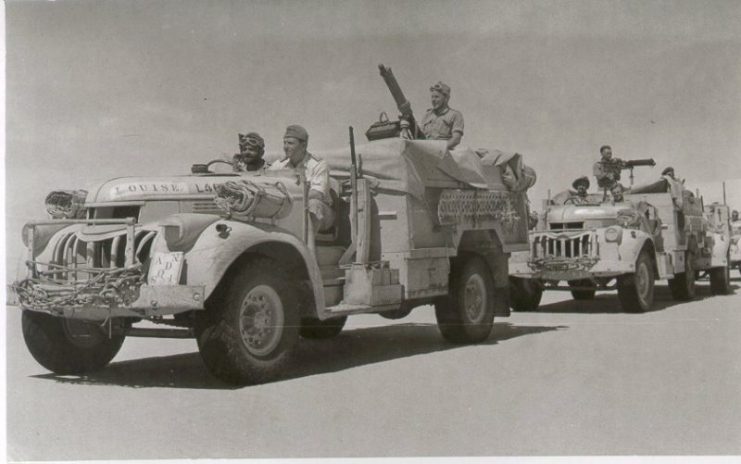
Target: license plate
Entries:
(165, 268)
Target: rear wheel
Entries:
(249, 336)
(636, 291)
(313, 328)
(720, 280)
(68, 346)
(466, 315)
(583, 294)
(525, 294)
(682, 285)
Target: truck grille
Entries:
(572, 246)
(72, 252)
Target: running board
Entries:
(344, 309)
(160, 333)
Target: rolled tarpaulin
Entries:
(244, 200)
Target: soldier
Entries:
(442, 122)
(675, 186)
(617, 193)
(251, 151)
(607, 169)
(581, 185)
(669, 172)
(295, 142)
(734, 216)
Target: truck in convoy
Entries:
(231, 258)
(657, 231)
(735, 253)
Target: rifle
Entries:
(405, 108)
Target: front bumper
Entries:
(152, 301)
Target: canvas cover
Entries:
(411, 166)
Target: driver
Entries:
(581, 185)
(251, 151)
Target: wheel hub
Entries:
(475, 297)
(261, 320)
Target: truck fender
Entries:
(216, 250)
(632, 243)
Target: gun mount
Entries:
(406, 126)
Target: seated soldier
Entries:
(581, 185)
(251, 151)
(617, 193)
(314, 170)
(675, 186)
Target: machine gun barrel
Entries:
(639, 162)
(405, 108)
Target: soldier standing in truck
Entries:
(607, 169)
(295, 142)
(442, 122)
(251, 151)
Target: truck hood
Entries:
(572, 213)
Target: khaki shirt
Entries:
(441, 126)
(315, 170)
(607, 173)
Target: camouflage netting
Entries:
(66, 204)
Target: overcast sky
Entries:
(103, 89)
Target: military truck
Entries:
(658, 231)
(232, 259)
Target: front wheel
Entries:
(68, 346)
(249, 336)
(682, 285)
(636, 291)
(525, 294)
(466, 315)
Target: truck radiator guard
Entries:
(87, 270)
(565, 246)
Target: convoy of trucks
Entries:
(232, 258)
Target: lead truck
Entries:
(659, 231)
(232, 259)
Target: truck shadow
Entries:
(350, 349)
(608, 303)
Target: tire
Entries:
(313, 328)
(525, 294)
(720, 280)
(582, 294)
(636, 291)
(682, 285)
(68, 346)
(249, 336)
(466, 315)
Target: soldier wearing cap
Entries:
(251, 151)
(442, 122)
(581, 185)
(316, 172)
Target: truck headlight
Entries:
(613, 234)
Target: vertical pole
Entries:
(354, 187)
(724, 193)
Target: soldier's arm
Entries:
(457, 131)
(319, 181)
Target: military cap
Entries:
(442, 88)
(297, 132)
(583, 180)
(667, 171)
(251, 140)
